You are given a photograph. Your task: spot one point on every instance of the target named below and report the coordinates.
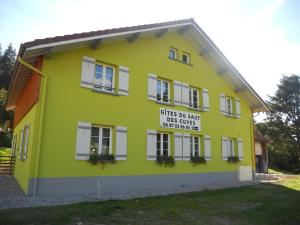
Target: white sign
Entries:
(179, 119)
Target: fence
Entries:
(7, 165)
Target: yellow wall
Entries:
(23, 169)
(67, 103)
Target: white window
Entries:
(162, 144)
(194, 98)
(195, 146)
(104, 77)
(101, 140)
(229, 106)
(186, 58)
(172, 53)
(163, 91)
(230, 147)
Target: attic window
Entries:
(172, 53)
(186, 58)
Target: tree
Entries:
(0, 51)
(282, 124)
(7, 62)
(5, 135)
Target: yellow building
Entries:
(131, 110)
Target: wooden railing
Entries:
(7, 165)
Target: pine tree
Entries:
(7, 62)
(282, 125)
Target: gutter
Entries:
(39, 125)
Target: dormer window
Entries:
(172, 53)
(186, 58)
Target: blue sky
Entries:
(260, 37)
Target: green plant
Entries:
(102, 158)
(233, 159)
(198, 159)
(165, 160)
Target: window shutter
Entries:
(177, 92)
(205, 96)
(88, 72)
(26, 142)
(110, 141)
(238, 108)
(185, 95)
(21, 144)
(14, 145)
(207, 147)
(152, 87)
(186, 147)
(123, 80)
(223, 104)
(121, 149)
(178, 146)
(240, 148)
(224, 148)
(83, 140)
(151, 145)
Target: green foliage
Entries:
(233, 159)
(7, 62)
(5, 138)
(198, 160)
(165, 160)
(282, 125)
(102, 158)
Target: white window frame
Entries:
(100, 136)
(191, 97)
(193, 145)
(175, 53)
(161, 150)
(230, 147)
(161, 81)
(227, 105)
(188, 57)
(102, 87)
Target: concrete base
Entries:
(112, 187)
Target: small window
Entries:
(230, 147)
(186, 58)
(101, 139)
(172, 53)
(229, 106)
(162, 144)
(104, 77)
(194, 98)
(195, 146)
(163, 91)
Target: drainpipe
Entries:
(43, 89)
(252, 147)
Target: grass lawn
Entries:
(260, 204)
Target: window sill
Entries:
(177, 60)
(164, 103)
(194, 109)
(231, 116)
(105, 91)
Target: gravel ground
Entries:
(11, 195)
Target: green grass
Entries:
(261, 204)
(4, 152)
(292, 183)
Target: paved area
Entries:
(272, 177)
(11, 195)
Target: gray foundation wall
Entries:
(113, 187)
